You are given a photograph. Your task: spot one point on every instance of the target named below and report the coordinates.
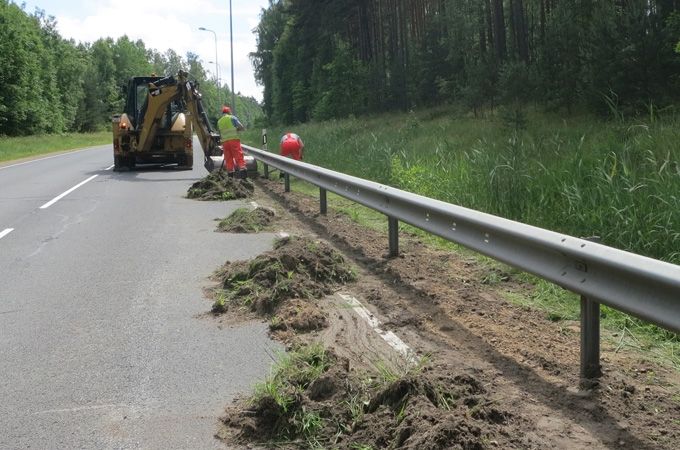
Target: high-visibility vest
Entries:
(227, 129)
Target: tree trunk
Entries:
(542, 20)
(489, 24)
(482, 30)
(499, 30)
(520, 30)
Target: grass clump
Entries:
(297, 267)
(277, 407)
(220, 304)
(219, 186)
(245, 220)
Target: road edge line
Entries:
(392, 339)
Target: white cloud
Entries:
(173, 24)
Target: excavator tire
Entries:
(119, 164)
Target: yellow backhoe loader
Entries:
(161, 115)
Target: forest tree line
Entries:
(320, 59)
(49, 84)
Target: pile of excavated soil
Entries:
(429, 408)
(297, 268)
(219, 186)
(245, 220)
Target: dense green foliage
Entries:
(320, 59)
(584, 177)
(52, 85)
(511, 64)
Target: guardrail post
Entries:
(286, 179)
(323, 201)
(266, 171)
(393, 227)
(590, 338)
(590, 334)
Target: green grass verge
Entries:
(621, 330)
(12, 148)
(577, 175)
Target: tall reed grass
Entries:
(578, 175)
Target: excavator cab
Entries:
(137, 98)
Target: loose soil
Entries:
(244, 220)
(297, 268)
(430, 409)
(493, 375)
(219, 186)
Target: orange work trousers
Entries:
(233, 153)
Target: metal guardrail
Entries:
(643, 287)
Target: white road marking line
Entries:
(5, 232)
(110, 167)
(60, 196)
(389, 337)
(42, 159)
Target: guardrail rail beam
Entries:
(643, 287)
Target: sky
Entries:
(168, 24)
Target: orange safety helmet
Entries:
(226, 110)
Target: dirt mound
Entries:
(297, 267)
(219, 186)
(245, 220)
(314, 400)
(298, 316)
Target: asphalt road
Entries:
(101, 340)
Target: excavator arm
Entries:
(208, 137)
(160, 96)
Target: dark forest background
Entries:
(321, 59)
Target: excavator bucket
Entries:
(214, 163)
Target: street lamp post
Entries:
(217, 67)
(216, 74)
(231, 39)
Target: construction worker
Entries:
(229, 127)
(291, 146)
